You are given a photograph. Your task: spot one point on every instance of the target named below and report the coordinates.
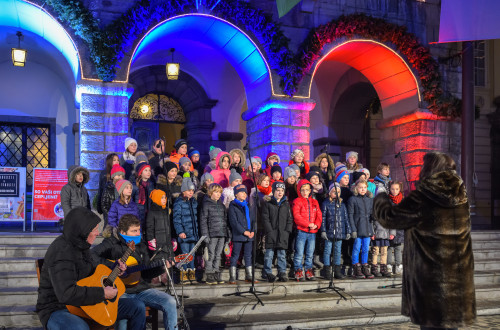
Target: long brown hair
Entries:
(109, 164)
(435, 162)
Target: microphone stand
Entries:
(398, 155)
(252, 289)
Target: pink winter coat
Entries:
(220, 175)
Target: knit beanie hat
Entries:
(278, 184)
(296, 168)
(140, 157)
(366, 171)
(333, 186)
(339, 167)
(117, 170)
(350, 154)
(256, 159)
(357, 175)
(179, 143)
(121, 184)
(276, 168)
(187, 184)
(156, 196)
(289, 171)
(184, 160)
(214, 151)
(340, 175)
(205, 177)
(311, 174)
(140, 167)
(129, 141)
(192, 152)
(239, 188)
(297, 152)
(234, 176)
(169, 165)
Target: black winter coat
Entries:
(360, 214)
(278, 223)
(158, 227)
(67, 261)
(238, 222)
(335, 220)
(109, 195)
(186, 219)
(213, 218)
(103, 180)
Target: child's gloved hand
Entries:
(348, 236)
(152, 244)
(324, 236)
(373, 237)
(391, 237)
(354, 235)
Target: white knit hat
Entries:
(129, 141)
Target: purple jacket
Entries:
(118, 210)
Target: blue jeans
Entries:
(128, 309)
(158, 300)
(327, 252)
(362, 243)
(247, 253)
(268, 261)
(304, 241)
(186, 248)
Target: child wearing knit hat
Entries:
(276, 173)
(123, 205)
(291, 179)
(194, 156)
(142, 187)
(184, 171)
(110, 193)
(213, 153)
(181, 148)
(128, 159)
(297, 158)
(228, 193)
(352, 164)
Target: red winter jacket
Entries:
(306, 210)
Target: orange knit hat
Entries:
(156, 196)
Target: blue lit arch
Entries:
(30, 17)
(240, 51)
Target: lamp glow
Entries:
(18, 54)
(173, 68)
(144, 108)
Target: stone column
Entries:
(414, 135)
(279, 125)
(103, 124)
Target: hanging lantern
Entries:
(173, 68)
(18, 54)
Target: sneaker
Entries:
(271, 278)
(218, 277)
(211, 279)
(310, 274)
(299, 275)
(282, 277)
(184, 277)
(389, 268)
(399, 269)
(191, 275)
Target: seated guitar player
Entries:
(112, 248)
(67, 261)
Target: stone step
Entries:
(486, 235)
(486, 244)
(18, 264)
(28, 238)
(486, 254)
(487, 265)
(13, 251)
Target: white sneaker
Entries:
(389, 268)
(399, 269)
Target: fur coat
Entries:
(438, 276)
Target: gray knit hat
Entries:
(214, 151)
(289, 171)
(140, 157)
(205, 177)
(234, 176)
(184, 160)
(187, 184)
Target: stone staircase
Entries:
(285, 304)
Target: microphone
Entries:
(325, 148)
(398, 154)
(245, 147)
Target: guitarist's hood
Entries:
(77, 226)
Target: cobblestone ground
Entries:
(490, 322)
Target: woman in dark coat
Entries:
(438, 271)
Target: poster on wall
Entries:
(13, 194)
(47, 185)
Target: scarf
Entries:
(382, 178)
(127, 156)
(142, 192)
(265, 191)
(244, 204)
(396, 199)
(317, 188)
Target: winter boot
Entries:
(310, 275)
(328, 272)
(211, 279)
(191, 275)
(338, 272)
(367, 272)
(218, 278)
(271, 278)
(232, 275)
(390, 267)
(375, 270)
(299, 275)
(282, 277)
(357, 272)
(384, 271)
(248, 275)
(317, 262)
(399, 269)
(184, 277)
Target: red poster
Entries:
(47, 185)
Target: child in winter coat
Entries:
(371, 186)
(382, 179)
(105, 177)
(327, 168)
(278, 223)
(74, 193)
(122, 206)
(213, 224)
(319, 189)
(186, 226)
(142, 188)
(238, 160)
(290, 176)
(276, 174)
(194, 156)
(222, 171)
(242, 225)
(307, 218)
(271, 159)
(351, 163)
(180, 151)
(334, 229)
(228, 193)
(110, 194)
(158, 231)
(185, 172)
(342, 177)
(264, 192)
(395, 249)
(297, 158)
(254, 167)
(213, 153)
(359, 208)
(128, 158)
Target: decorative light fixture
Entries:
(144, 108)
(19, 54)
(173, 68)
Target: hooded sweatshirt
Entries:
(221, 176)
(75, 194)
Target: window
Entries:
(480, 63)
(24, 145)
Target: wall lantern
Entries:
(19, 54)
(172, 68)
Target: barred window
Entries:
(480, 63)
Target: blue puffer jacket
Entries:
(238, 222)
(118, 210)
(186, 219)
(335, 220)
(360, 214)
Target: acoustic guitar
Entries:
(106, 312)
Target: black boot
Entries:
(385, 272)
(375, 271)
(367, 272)
(357, 272)
(282, 277)
(328, 272)
(338, 272)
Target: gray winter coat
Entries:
(360, 214)
(381, 232)
(73, 194)
(213, 218)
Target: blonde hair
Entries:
(261, 178)
(125, 200)
(355, 187)
(213, 188)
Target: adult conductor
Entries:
(438, 272)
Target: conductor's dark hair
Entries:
(435, 162)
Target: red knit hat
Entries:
(117, 170)
(140, 167)
(121, 184)
(340, 175)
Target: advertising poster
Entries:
(12, 194)
(47, 185)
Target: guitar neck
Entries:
(139, 268)
(114, 274)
